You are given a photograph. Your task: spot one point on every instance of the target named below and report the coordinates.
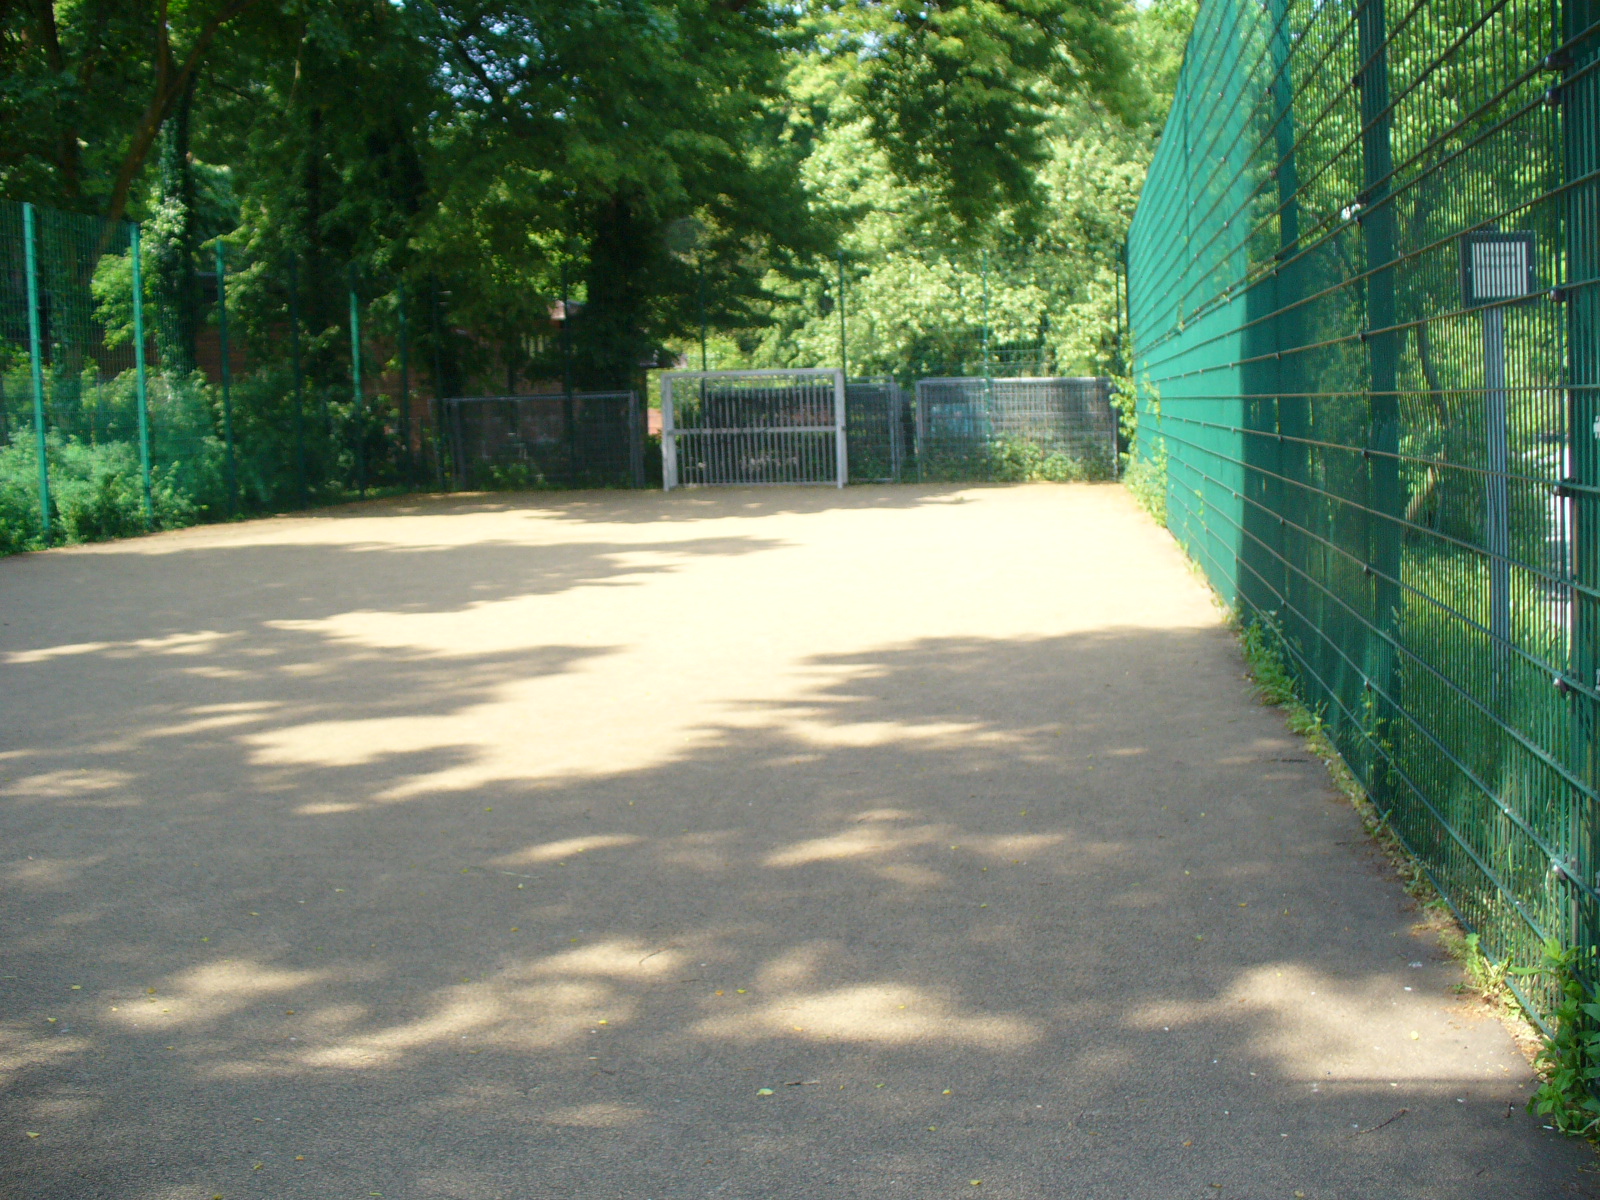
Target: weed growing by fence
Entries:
(1570, 1056)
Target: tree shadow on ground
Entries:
(234, 588)
(652, 506)
(1048, 913)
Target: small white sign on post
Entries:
(1497, 267)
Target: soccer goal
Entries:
(753, 427)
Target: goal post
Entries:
(774, 426)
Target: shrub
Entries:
(95, 493)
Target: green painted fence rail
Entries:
(1364, 297)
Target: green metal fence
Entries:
(1363, 299)
(137, 393)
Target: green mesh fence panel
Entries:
(67, 382)
(880, 431)
(259, 389)
(1362, 292)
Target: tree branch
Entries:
(169, 86)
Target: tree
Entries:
(959, 94)
(88, 88)
(915, 258)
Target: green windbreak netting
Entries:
(1363, 298)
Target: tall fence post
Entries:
(227, 378)
(700, 300)
(988, 368)
(405, 382)
(142, 394)
(359, 411)
(986, 314)
(841, 444)
(568, 409)
(844, 343)
(1292, 418)
(438, 376)
(299, 382)
(1119, 282)
(36, 360)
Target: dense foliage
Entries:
(656, 158)
(677, 168)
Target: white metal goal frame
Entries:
(752, 428)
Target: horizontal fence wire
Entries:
(1367, 355)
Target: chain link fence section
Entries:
(880, 431)
(585, 440)
(1011, 430)
(1364, 286)
(753, 427)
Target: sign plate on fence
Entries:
(1497, 266)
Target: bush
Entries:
(1146, 478)
(1012, 459)
(95, 493)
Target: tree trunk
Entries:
(612, 336)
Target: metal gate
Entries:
(753, 427)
